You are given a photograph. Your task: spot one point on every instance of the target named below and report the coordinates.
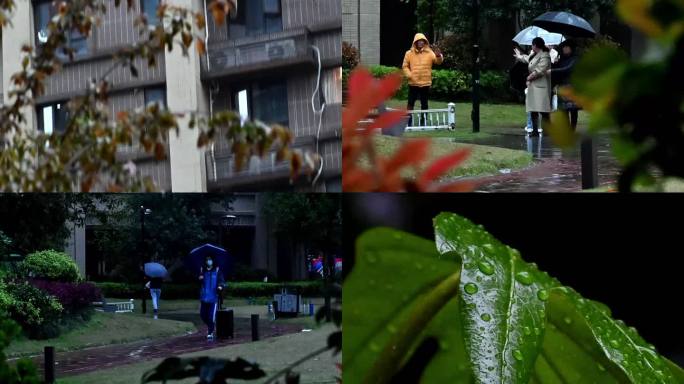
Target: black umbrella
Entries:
(565, 23)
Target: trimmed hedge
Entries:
(453, 85)
(172, 291)
(50, 265)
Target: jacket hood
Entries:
(418, 37)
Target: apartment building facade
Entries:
(264, 62)
(249, 237)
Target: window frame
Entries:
(83, 45)
(57, 105)
(251, 90)
(148, 99)
(152, 18)
(271, 21)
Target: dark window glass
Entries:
(149, 8)
(53, 118)
(269, 102)
(155, 95)
(256, 17)
(265, 101)
(43, 12)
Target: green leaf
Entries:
(502, 302)
(403, 292)
(610, 351)
(598, 72)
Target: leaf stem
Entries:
(421, 314)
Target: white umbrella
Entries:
(528, 34)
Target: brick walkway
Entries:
(92, 359)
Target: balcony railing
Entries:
(221, 172)
(272, 51)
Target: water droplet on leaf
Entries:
(524, 278)
(543, 294)
(486, 317)
(471, 288)
(518, 355)
(486, 268)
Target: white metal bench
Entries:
(118, 307)
(433, 119)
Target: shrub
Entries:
(21, 372)
(6, 300)
(350, 56)
(74, 297)
(50, 265)
(36, 312)
(453, 85)
(191, 291)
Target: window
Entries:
(149, 9)
(53, 118)
(332, 85)
(155, 95)
(256, 17)
(43, 12)
(264, 101)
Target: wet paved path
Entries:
(92, 359)
(554, 170)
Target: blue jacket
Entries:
(209, 290)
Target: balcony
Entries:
(265, 172)
(273, 52)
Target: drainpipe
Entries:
(206, 36)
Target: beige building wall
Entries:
(185, 93)
(76, 246)
(15, 35)
(361, 28)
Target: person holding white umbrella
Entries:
(538, 99)
(525, 37)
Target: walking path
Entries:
(554, 170)
(92, 359)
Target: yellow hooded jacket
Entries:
(418, 63)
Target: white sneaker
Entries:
(210, 336)
(528, 129)
(156, 317)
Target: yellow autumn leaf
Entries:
(637, 13)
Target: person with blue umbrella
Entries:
(154, 274)
(212, 284)
(210, 263)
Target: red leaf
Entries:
(412, 152)
(442, 166)
(386, 120)
(359, 81)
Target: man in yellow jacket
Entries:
(418, 63)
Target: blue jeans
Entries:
(156, 295)
(208, 314)
(529, 120)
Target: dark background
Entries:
(622, 250)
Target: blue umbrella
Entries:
(565, 23)
(155, 270)
(195, 260)
(528, 34)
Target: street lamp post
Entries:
(226, 222)
(144, 255)
(476, 67)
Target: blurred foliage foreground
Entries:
(467, 308)
(640, 102)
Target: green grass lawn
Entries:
(494, 118)
(484, 160)
(104, 329)
(271, 354)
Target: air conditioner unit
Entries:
(282, 49)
